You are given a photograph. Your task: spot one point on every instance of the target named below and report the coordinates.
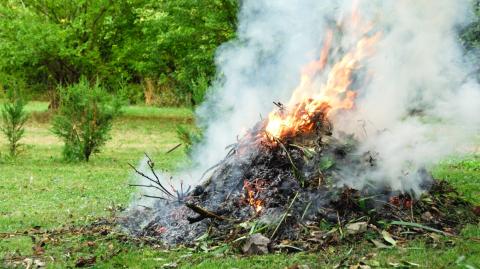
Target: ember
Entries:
(252, 190)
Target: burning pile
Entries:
(283, 179)
(285, 188)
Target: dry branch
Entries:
(203, 212)
(174, 148)
(155, 181)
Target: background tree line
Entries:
(157, 51)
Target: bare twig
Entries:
(280, 106)
(420, 226)
(211, 168)
(155, 181)
(339, 225)
(155, 197)
(306, 209)
(145, 186)
(284, 216)
(286, 151)
(234, 145)
(174, 148)
(296, 172)
(151, 164)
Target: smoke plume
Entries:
(415, 105)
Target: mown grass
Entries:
(41, 190)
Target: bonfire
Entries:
(281, 184)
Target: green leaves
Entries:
(180, 39)
(326, 163)
(84, 119)
(55, 42)
(14, 118)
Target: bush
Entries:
(199, 89)
(130, 93)
(14, 119)
(84, 119)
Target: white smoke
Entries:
(418, 107)
(420, 94)
(274, 40)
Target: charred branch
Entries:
(280, 106)
(204, 212)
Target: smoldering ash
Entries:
(390, 74)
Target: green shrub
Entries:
(13, 127)
(131, 93)
(168, 97)
(199, 89)
(84, 119)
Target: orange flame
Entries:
(255, 203)
(335, 94)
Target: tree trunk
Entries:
(53, 99)
(149, 91)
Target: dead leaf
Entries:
(379, 244)
(83, 262)
(388, 237)
(256, 244)
(435, 237)
(38, 263)
(170, 265)
(38, 250)
(89, 244)
(427, 216)
(356, 228)
(412, 264)
(30, 263)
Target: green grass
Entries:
(40, 189)
(145, 111)
(465, 174)
(36, 106)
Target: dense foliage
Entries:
(84, 119)
(166, 46)
(157, 51)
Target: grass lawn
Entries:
(40, 192)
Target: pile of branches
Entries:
(282, 194)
